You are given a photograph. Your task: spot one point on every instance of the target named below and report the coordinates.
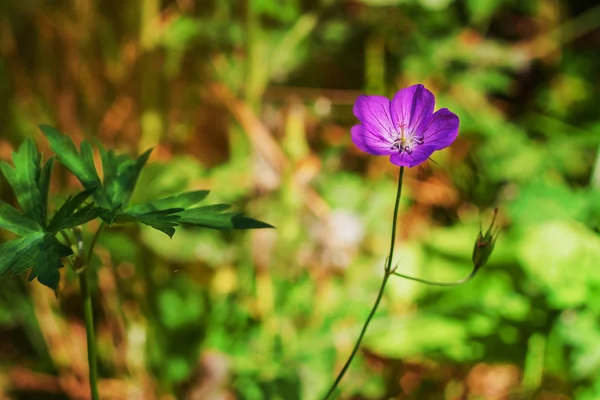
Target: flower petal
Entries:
(418, 156)
(412, 108)
(442, 129)
(372, 143)
(374, 113)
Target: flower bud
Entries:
(484, 245)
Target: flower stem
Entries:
(435, 283)
(86, 294)
(387, 273)
(388, 266)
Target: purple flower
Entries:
(406, 129)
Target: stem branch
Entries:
(435, 283)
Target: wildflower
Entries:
(406, 128)
(484, 245)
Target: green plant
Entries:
(38, 248)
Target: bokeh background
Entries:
(253, 100)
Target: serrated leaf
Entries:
(120, 176)
(81, 216)
(162, 220)
(37, 248)
(40, 251)
(47, 262)
(183, 201)
(24, 178)
(211, 216)
(70, 214)
(80, 163)
(120, 171)
(11, 219)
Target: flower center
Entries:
(406, 143)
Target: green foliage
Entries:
(120, 175)
(29, 180)
(79, 162)
(72, 214)
(120, 172)
(183, 201)
(38, 248)
(41, 252)
(182, 212)
(14, 221)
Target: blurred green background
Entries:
(253, 100)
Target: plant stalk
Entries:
(387, 273)
(86, 294)
(435, 283)
(90, 333)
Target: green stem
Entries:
(434, 283)
(88, 312)
(388, 267)
(387, 273)
(93, 243)
(66, 238)
(90, 333)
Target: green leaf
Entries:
(163, 214)
(241, 222)
(213, 217)
(120, 171)
(12, 220)
(120, 176)
(162, 220)
(209, 217)
(70, 214)
(40, 251)
(47, 261)
(81, 216)
(38, 248)
(25, 178)
(183, 200)
(79, 162)
(14, 255)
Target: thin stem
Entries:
(93, 243)
(90, 333)
(83, 273)
(387, 273)
(434, 283)
(388, 267)
(66, 238)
